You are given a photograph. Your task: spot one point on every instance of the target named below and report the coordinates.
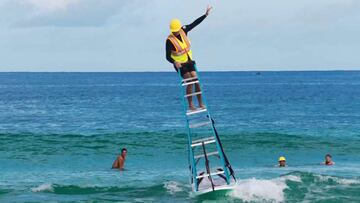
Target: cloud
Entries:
(113, 33)
(61, 13)
(46, 6)
(240, 14)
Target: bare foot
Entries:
(202, 106)
(192, 108)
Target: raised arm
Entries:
(191, 26)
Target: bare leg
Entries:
(198, 89)
(189, 89)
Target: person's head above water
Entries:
(282, 161)
(123, 152)
(328, 160)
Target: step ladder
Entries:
(209, 167)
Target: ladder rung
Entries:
(196, 111)
(207, 154)
(190, 83)
(206, 142)
(203, 139)
(211, 174)
(199, 142)
(193, 94)
(189, 79)
(196, 125)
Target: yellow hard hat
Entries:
(175, 25)
(282, 158)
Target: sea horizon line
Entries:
(170, 71)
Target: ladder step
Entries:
(199, 142)
(211, 174)
(207, 154)
(206, 142)
(197, 125)
(196, 111)
(193, 94)
(204, 139)
(190, 83)
(189, 79)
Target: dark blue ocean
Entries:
(60, 132)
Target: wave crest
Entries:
(173, 187)
(46, 187)
(260, 190)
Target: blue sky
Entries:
(129, 35)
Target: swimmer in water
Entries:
(282, 162)
(328, 160)
(120, 160)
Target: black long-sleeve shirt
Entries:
(187, 28)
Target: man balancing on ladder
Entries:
(179, 53)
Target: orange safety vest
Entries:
(182, 53)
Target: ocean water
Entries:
(60, 132)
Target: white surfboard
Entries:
(219, 185)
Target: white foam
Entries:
(172, 187)
(341, 181)
(260, 190)
(293, 178)
(46, 187)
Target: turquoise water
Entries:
(60, 132)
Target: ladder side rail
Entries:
(190, 150)
(210, 119)
(203, 95)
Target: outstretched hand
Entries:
(208, 9)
